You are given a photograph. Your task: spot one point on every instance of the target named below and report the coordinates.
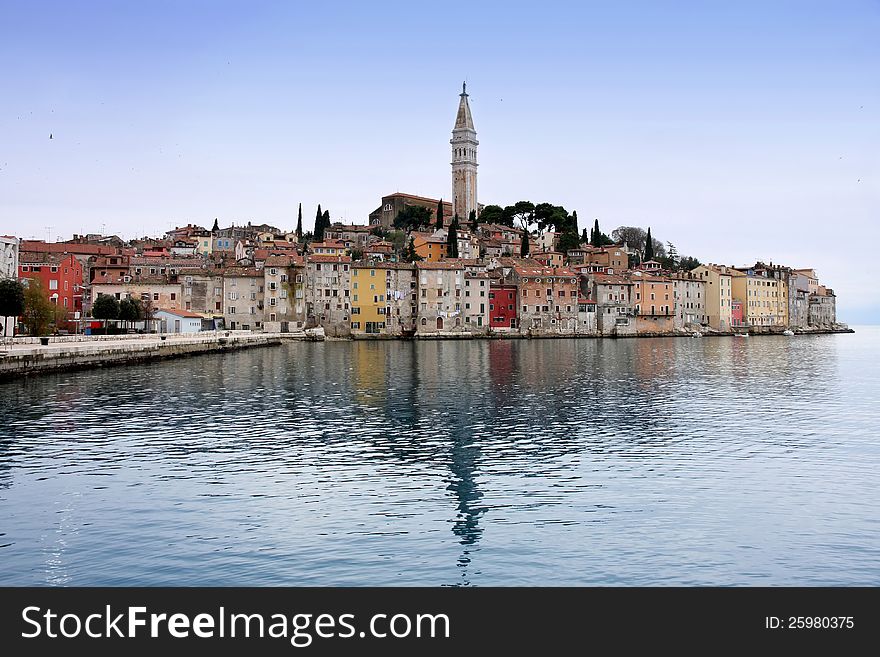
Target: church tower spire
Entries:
(464, 159)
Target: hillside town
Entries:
(419, 266)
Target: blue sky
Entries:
(737, 131)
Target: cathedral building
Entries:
(464, 176)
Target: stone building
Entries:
(383, 297)
(244, 295)
(689, 292)
(548, 298)
(614, 295)
(279, 281)
(393, 204)
(202, 290)
(476, 301)
(654, 303)
(328, 293)
(8, 269)
(822, 311)
(441, 297)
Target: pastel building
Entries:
(719, 294)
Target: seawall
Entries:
(21, 359)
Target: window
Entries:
(53, 284)
(355, 325)
(155, 296)
(272, 301)
(231, 310)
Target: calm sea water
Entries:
(547, 462)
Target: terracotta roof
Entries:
(446, 264)
(243, 272)
(180, 313)
(322, 257)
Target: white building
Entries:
(8, 269)
(178, 321)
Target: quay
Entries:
(23, 356)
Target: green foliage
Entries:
(522, 212)
(491, 214)
(688, 263)
(397, 238)
(130, 310)
(357, 254)
(11, 298)
(105, 307)
(585, 237)
(472, 220)
(409, 253)
(216, 226)
(299, 222)
(649, 247)
(452, 239)
(439, 223)
(413, 217)
(38, 310)
(524, 244)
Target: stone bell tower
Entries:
(464, 160)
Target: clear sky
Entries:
(736, 130)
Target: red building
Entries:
(502, 305)
(61, 276)
(736, 313)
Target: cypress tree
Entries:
(452, 239)
(596, 237)
(649, 247)
(524, 245)
(216, 226)
(440, 214)
(472, 219)
(299, 222)
(585, 238)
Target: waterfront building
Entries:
(382, 298)
(503, 302)
(613, 293)
(587, 321)
(279, 276)
(244, 296)
(61, 276)
(328, 293)
(179, 321)
(109, 267)
(202, 290)
(764, 297)
(476, 300)
(158, 292)
(611, 259)
(440, 299)
(8, 269)
(689, 293)
(654, 303)
(548, 298)
(719, 294)
(822, 312)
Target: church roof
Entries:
(464, 119)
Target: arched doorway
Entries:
(439, 323)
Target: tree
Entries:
(492, 214)
(585, 237)
(439, 223)
(130, 310)
(524, 244)
(688, 263)
(319, 225)
(105, 307)
(596, 235)
(452, 239)
(38, 310)
(649, 247)
(357, 254)
(216, 226)
(632, 235)
(148, 312)
(522, 212)
(472, 220)
(397, 239)
(11, 299)
(299, 222)
(409, 253)
(413, 217)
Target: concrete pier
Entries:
(19, 358)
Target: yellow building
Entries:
(368, 299)
(430, 248)
(764, 298)
(719, 294)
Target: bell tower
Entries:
(464, 160)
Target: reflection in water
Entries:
(667, 461)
